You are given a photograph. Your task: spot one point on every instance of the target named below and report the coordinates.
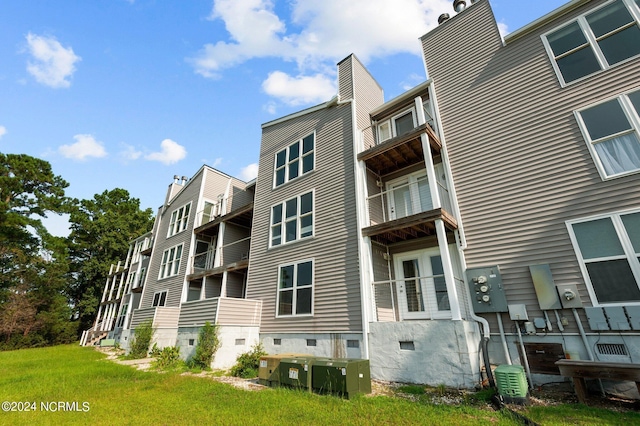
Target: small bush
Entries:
(143, 334)
(208, 344)
(166, 358)
(248, 363)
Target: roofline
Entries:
(331, 102)
(409, 94)
(554, 14)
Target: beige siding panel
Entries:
(368, 95)
(519, 161)
(333, 246)
(345, 83)
(239, 311)
(195, 314)
(215, 184)
(166, 317)
(239, 195)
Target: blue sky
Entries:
(129, 93)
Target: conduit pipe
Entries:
(524, 357)
(503, 337)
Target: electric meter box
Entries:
(295, 372)
(487, 293)
(269, 368)
(341, 376)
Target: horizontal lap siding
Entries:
(166, 317)
(234, 248)
(239, 312)
(141, 315)
(215, 184)
(520, 164)
(334, 244)
(195, 314)
(174, 284)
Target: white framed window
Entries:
(608, 250)
(131, 281)
(143, 276)
(612, 132)
(292, 220)
(596, 41)
(397, 125)
(295, 160)
(295, 289)
(179, 220)
(409, 195)
(170, 262)
(136, 251)
(159, 298)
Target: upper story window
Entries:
(295, 289)
(292, 220)
(179, 220)
(160, 298)
(295, 160)
(397, 125)
(595, 41)
(170, 262)
(608, 250)
(612, 132)
(136, 251)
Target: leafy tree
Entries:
(32, 262)
(101, 229)
(208, 344)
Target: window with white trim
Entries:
(608, 249)
(159, 298)
(397, 125)
(292, 220)
(595, 41)
(295, 160)
(143, 276)
(170, 262)
(179, 220)
(612, 132)
(295, 289)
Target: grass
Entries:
(118, 394)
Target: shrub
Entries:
(143, 334)
(167, 358)
(248, 363)
(208, 344)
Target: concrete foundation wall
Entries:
(234, 340)
(432, 352)
(332, 345)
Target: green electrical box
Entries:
(296, 372)
(341, 376)
(512, 383)
(269, 368)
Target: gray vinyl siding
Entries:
(239, 195)
(368, 95)
(233, 248)
(345, 82)
(216, 184)
(173, 285)
(520, 164)
(213, 287)
(235, 284)
(333, 246)
(239, 311)
(376, 200)
(195, 314)
(141, 315)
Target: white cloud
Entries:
(170, 152)
(3, 131)
(330, 30)
(503, 29)
(299, 90)
(270, 107)
(84, 147)
(412, 80)
(50, 64)
(130, 152)
(249, 172)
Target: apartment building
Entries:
(489, 212)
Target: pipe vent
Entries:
(443, 18)
(459, 5)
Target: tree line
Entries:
(50, 287)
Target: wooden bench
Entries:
(580, 370)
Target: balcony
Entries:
(230, 257)
(405, 210)
(237, 210)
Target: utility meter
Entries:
(485, 285)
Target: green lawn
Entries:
(108, 393)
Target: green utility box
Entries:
(512, 383)
(296, 372)
(269, 368)
(345, 377)
(105, 343)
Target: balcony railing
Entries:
(421, 299)
(222, 207)
(228, 254)
(405, 200)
